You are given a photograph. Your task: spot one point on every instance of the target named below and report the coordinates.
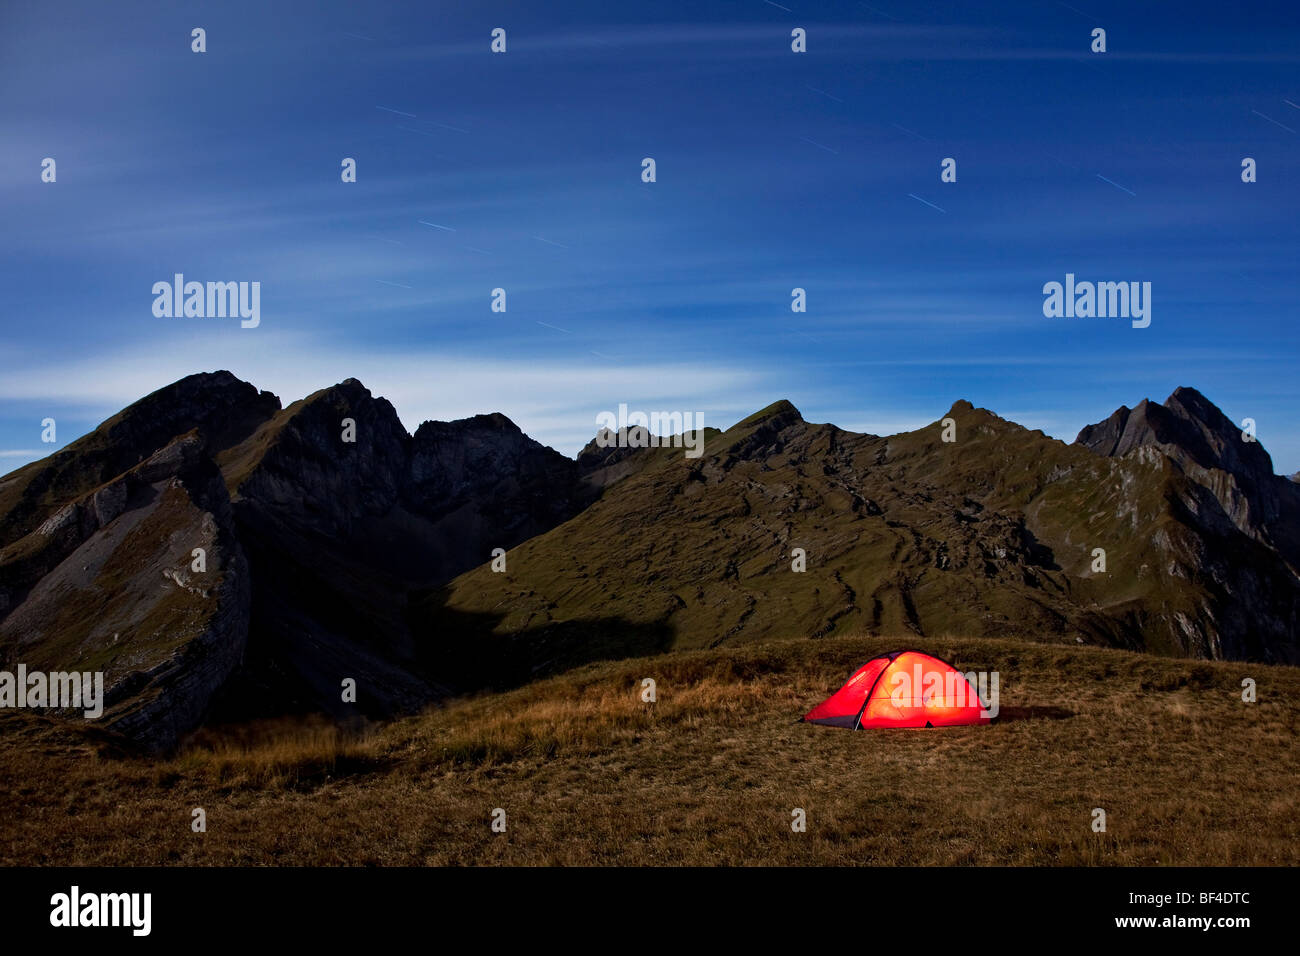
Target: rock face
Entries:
(1240, 523)
(343, 514)
(107, 584)
(221, 408)
(96, 546)
(1208, 447)
(493, 484)
(316, 520)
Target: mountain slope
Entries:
(991, 534)
(317, 521)
(96, 572)
(338, 546)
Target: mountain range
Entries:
(220, 557)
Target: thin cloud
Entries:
(553, 400)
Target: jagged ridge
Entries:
(340, 546)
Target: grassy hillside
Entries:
(588, 774)
(990, 535)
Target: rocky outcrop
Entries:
(342, 514)
(328, 461)
(764, 433)
(219, 408)
(1212, 451)
(317, 520)
(116, 591)
(1207, 446)
(25, 561)
(488, 462)
(1225, 491)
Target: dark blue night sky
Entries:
(775, 170)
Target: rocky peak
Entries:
(608, 448)
(335, 456)
(779, 414)
(1210, 449)
(766, 432)
(1187, 427)
(491, 427)
(1213, 440)
(221, 409)
(1104, 437)
(471, 455)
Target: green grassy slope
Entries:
(990, 535)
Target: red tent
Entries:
(902, 689)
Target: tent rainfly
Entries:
(902, 689)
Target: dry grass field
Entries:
(588, 774)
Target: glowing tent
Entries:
(902, 689)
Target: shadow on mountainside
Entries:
(469, 653)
